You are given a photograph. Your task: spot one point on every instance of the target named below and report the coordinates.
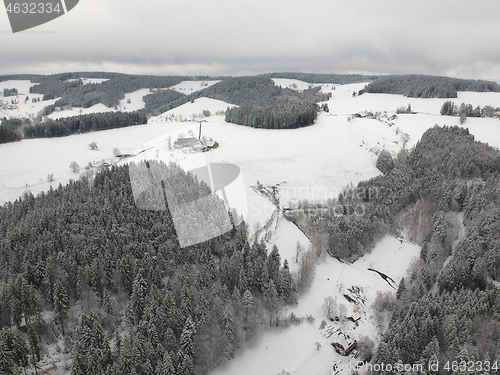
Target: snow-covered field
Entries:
(192, 111)
(17, 106)
(309, 163)
(75, 111)
(22, 86)
(294, 84)
(87, 81)
(188, 87)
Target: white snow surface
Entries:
(22, 86)
(21, 108)
(188, 87)
(88, 81)
(193, 111)
(294, 84)
(136, 101)
(75, 111)
(312, 163)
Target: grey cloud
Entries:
(254, 36)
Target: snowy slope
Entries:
(136, 101)
(309, 163)
(17, 106)
(192, 111)
(135, 104)
(295, 84)
(22, 86)
(188, 87)
(87, 81)
(25, 165)
(75, 111)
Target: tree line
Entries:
(10, 131)
(83, 124)
(463, 111)
(422, 86)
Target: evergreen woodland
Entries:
(83, 264)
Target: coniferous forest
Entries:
(147, 306)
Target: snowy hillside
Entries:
(294, 84)
(88, 81)
(96, 108)
(188, 87)
(193, 111)
(24, 104)
(311, 163)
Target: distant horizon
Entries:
(201, 76)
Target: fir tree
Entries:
(61, 304)
(138, 297)
(247, 302)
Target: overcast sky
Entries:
(234, 37)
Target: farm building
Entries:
(344, 344)
(354, 317)
(186, 142)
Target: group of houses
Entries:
(343, 343)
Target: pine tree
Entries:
(228, 324)
(247, 302)
(430, 355)
(271, 296)
(401, 288)
(186, 366)
(287, 288)
(138, 297)
(61, 304)
(170, 339)
(273, 263)
(13, 351)
(33, 342)
(7, 364)
(166, 366)
(92, 353)
(187, 338)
